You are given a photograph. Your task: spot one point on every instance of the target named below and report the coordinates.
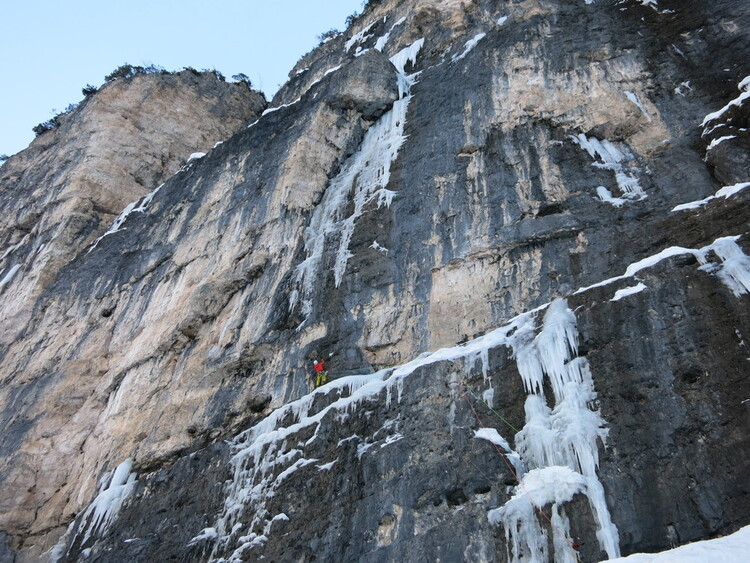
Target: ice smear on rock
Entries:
(469, 45)
(622, 293)
(362, 181)
(9, 276)
(610, 156)
(102, 511)
(634, 98)
(138, 206)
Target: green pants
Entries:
(321, 379)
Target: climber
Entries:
(320, 372)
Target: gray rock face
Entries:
(367, 85)
(491, 183)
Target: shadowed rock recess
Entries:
(518, 232)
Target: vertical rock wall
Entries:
(422, 179)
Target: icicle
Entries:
(734, 269)
(559, 444)
(103, 510)
(609, 156)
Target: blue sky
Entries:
(50, 49)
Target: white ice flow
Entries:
(138, 206)
(362, 180)
(103, 510)
(559, 445)
(9, 276)
(626, 292)
(609, 156)
(556, 449)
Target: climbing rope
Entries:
(481, 400)
(513, 471)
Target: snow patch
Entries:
(327, 466)
(606, 196)
(376, 246)
(196, 156)
(650, 3)
(684, 87)
(502, 20)
(380, 43)
(716, 142)
(729, 549)
(733, 271)
(206, 534)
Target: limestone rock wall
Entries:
(435, 171)
(57, 196)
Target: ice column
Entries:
(559, 445)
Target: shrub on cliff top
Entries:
(330, 34)
(242, 77)
(129, 71)
(50, 124)
(45, 126)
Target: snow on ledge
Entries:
(725, 192)
(733, 269)
(744, 87)
(622, 293)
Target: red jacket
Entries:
(320, 366)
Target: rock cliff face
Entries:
(517, 231)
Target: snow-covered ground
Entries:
(730, 549)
